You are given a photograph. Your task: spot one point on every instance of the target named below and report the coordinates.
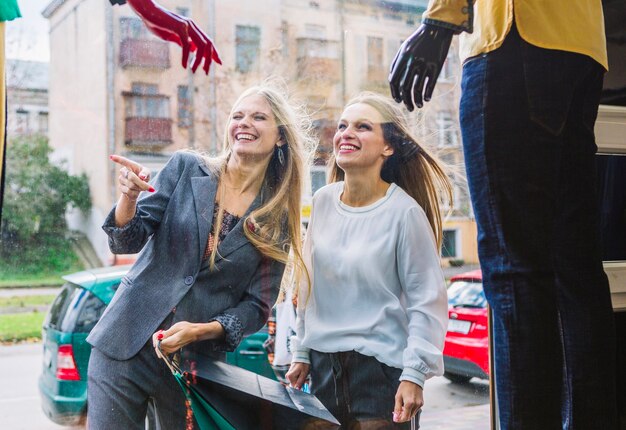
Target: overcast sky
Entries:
(27, 37)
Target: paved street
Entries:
(467, 418)
(448, 406)
(20, 408)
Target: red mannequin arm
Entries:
(178, 29)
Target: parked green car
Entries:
(74, 312)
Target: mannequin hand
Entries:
(178, 29)
(409, 400)
(206, 49)
(421, 56)
(297, 374)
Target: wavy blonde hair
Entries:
(411, 167)
(274, 228)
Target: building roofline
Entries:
(52, 7)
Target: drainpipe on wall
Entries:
(191, 88)
(110, 86)
(191, 131)
(213, 147)
(342, 28)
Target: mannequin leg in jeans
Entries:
(527, 117)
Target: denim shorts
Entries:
(357, 389)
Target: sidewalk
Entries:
(467, 418)
(13, 292)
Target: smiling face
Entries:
(359, 143)
(252, 128)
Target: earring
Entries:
(281, 156)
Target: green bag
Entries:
(206, 416)
(226, 397)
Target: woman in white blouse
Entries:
(371, 323)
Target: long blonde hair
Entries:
(274, 228)
(411, 167)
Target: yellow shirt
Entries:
(566, 25)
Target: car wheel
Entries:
(457, 379)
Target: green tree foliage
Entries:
(37, 194)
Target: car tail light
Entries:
(66, 365)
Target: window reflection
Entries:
(326, 50)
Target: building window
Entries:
(184, 107)
(284, 36)
(318, 178)
(393, 45)
(374, 51)
(150, 107)
(133, 28)
(144, 89)
(43, 122)
(248, 46)
(317, 48)
(447, 130)
(22, 121)
(146, 102)
(376, 68)
(448, 248)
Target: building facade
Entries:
(27, 97)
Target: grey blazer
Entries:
(171, 229)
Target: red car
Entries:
(465, 353)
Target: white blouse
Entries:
(377, 285)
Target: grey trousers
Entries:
(119, 391)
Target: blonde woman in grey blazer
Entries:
(214, 236)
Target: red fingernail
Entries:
(160, 336)
(142, 177)
(152, 190)
(110, 157)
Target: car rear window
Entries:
(467, 294)
(59, 306)
(75, 310)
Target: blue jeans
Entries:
(527, 118)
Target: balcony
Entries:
(151, 133)
(144, 53)
(318, 60)
(148, 121)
